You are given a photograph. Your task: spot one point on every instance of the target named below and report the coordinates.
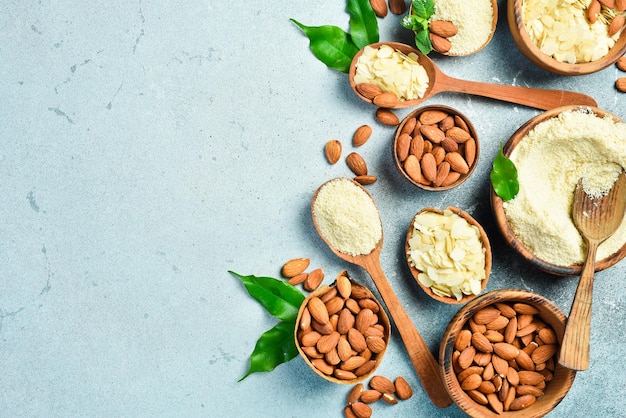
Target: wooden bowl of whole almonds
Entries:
(571, 38)
(551, 152)
(499, 353)
(448, 254)
(342, 331)
(436, 148)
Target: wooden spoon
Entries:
(439, 82)
(424, 362)
(596, 219)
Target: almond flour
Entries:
(550, 160)
(347, 217)
(473, 20)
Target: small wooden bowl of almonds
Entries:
(573, 38)
(436, 148)
(449, 255)
(499, 355)
(342, 331)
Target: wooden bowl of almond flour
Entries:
(561, 39)
(551, 152)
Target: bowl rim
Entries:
(528, 48)
(497, 204)
(549, 312)
(484, 241)
(449, 110)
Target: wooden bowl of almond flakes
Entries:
(563, 39)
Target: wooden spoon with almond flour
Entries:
(597, 218)
(424, 362)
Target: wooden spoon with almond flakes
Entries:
(597, 218)
(439, 82)
(423, 361)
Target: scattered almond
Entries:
(365, 180)
(397, 7)
(294, 267)
(333, 151)
(357, 164)
(379, 7)
(387, 117)
(314, 279)
(361, 135)
(620, 84)
(621, 63)
(386, 99)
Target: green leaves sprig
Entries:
(335, 47)
(504, 177)
(417, 21)
(281, 300)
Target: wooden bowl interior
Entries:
(383, 319)
(483, 238)
(500, 215)
(549, 312)
(405, 49)
(416, 113)
(534, 54)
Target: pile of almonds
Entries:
(505, 355)
(380, 387)
(439, 32)
(294, 270)
(620, 83)
(343, 331)
(435, 148)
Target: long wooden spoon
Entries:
(596, 219)
(423, 360)
(439, 82)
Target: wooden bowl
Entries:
(405, 126)
(503, 223)
(305, 323)
(534, 54)
(486, 245)
(555, 389)
(494, 22)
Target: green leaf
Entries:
(422, 42)
(423, 8)
(363, 23)
(279, 298)
(331, 45)
(504, 177)
(276, 346)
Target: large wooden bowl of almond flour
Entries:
(513, 238)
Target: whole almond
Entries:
(495, 403)
(486, 315)
(525, 309)
(361, 135)
(382, 384)
(500, 365)
(458, 164)
(344, 350)
(322, 366)
(449, 145)
(481, 343)
(402, 146)
(458, 134)
(366, 179)
(478, 397)
(409, 126)
(343, 285)
(345, 322)
(547, 335)
(344, 374)
(472, 382)
(332, 357)
(431, 117)
(432, 133)
(413, 168)
(298, 279)
(543, 353)
(524, 361)
(352, 363)
(469, 151)
(387, 117)
(429, 167)
(529, 390)
(355, 393)
(370, 396)
(375, 344)
(397, 7)
(314, 279)
(442, 173)
(443, 28)
(499, 323)
(403, 389)
(620, 84)
(368, 90)
(506, 351)
(327, 342)
(294, 267)
(439, 153)
(386, 99)
(529, 377)
(417, 146)
(440, 44)
(357, 164)
(310, 339)
(620, 5)
(356, 340)
(446, 123)
(332, 149)
(463, 340)
(364, 319)
(366, 368)
(460, 123)
(608, 3)
(593, 10)
(334, 305)
(379, 7)
(318, 311)
(467, 357)
(522, 402)
(369, 304)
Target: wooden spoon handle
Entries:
(575, 346)
(537, 98)
(424, 362)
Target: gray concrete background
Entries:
(148, 148)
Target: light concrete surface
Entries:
(149, 147)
